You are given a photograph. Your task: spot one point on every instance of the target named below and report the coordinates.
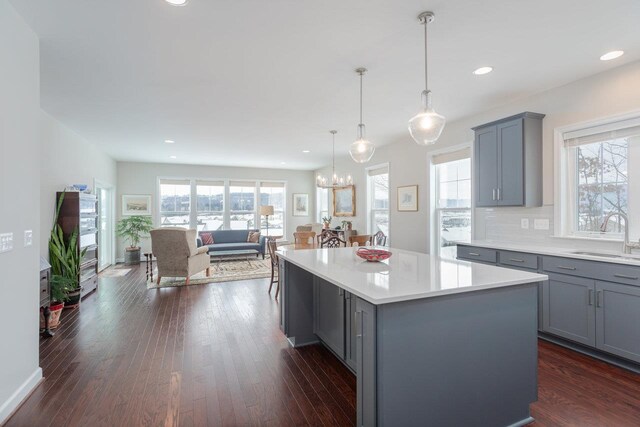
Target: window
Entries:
(378, 189)
(452, 200)
(272, 193)
(597, 178)
(242, 208)
(322, 195)
(210, 205)
(175, 203)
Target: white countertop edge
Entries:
(378, 301)
(559, 252)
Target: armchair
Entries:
(176, 253)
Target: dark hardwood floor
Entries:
(213, 355)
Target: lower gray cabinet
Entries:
(329, 312)
(618, 319)
(568, 308)
(366, 362)
(351, 340)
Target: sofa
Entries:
(233, 240)
(176, 252)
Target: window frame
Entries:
(565, 194)
(205, 182)
(189, 213)
(371, 211)
(319, 211)
(435, 210)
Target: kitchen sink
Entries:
(606, 255)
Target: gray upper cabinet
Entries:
(617, 319)
(508, 161)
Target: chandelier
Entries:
(335, 180)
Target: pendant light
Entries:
(336, 181)
(361, 149)
(425, 128)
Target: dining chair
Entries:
(275, 278)
(324, 235)
(360, 240)
(379, 239)
(301, 238)
(333, 242)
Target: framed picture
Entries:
(344, 201)
(300, 204)
(408, 198)
(133, 204)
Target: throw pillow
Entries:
(254, 237)
(207, 238)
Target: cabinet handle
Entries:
(340, 292)
(624, 276)
(493, 194)
(359, 324)
(474, 253)
(598, 297)
(498, 194)
(562, 267)
(516, 260)
(590, 296)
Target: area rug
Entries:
(115, 272)
(225, 271)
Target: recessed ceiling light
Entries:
(306, 151)
(482, 70)
(612, 55)
(173, 157)
(176, 2)
(169, 141)
(283, 163)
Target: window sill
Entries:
(591, 239)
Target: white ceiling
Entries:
(254, 82)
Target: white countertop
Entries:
(405, 276)
(556, 251)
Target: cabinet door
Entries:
(617, 319)
(486, 166)
(568, 308)
(366, 361)
(511, 163)
(350, 331)
(329, 315)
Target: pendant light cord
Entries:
(361, 73)
(426, 82)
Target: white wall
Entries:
(20, 207)
(142, 178)
(67, 159)
(607, 94)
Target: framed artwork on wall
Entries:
(300, 204)
(136, 204)
(344, 201)
(408, 198)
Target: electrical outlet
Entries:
(541, 224)
(28, 238)
(6, 242)
(524, 223)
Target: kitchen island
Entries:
(433, 342)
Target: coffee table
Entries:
(220, 255)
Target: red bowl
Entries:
(373, 255)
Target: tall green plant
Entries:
(64, 257)
(132, 228)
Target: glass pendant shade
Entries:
(426, 127)
(361, 149)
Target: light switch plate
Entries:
(6, 242)
(28, 238)
(524, 223)
(541, 224)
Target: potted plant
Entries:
(65, 257)
(132, 228)
(326, 221)
(346, 225)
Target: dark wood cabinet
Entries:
(79, 211)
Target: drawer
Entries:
(477, 254)
(574, 267)
(89, 286)
(44, 291)
(626, 274)
(518, 259)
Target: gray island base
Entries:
(465, 356)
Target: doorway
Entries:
(105, 195)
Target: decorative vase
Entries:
(132, 256)
(73, 298)
(54, 316)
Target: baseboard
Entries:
(20, 395)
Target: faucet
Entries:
(626, 246)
